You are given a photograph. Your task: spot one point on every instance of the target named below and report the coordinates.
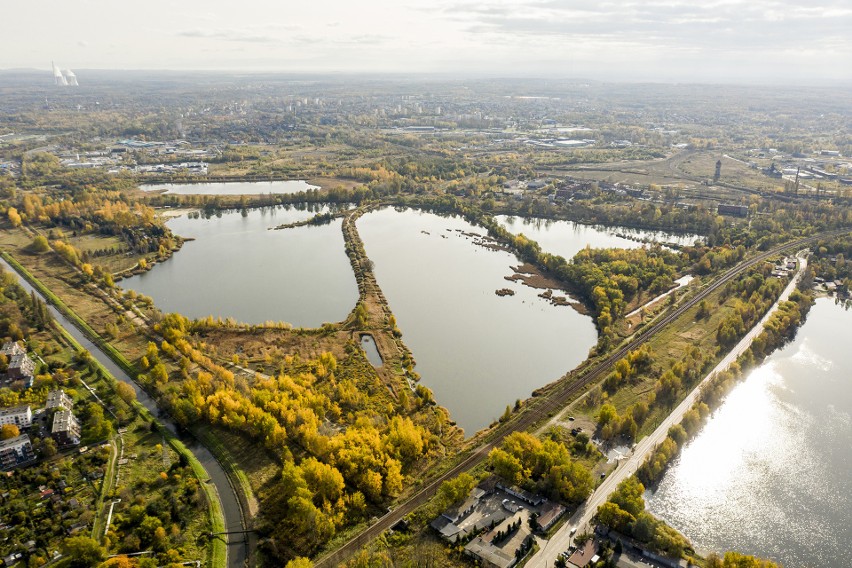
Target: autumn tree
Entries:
(126, 392)
(8, 431)
(14, 217)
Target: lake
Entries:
(233, 188)
(475, 350)
(238, 268)
(567, 238)
(769, 473)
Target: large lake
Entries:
(238, 268)
(477, 351)
(233, 188)
(567, 238)
(769, 474)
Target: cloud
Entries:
(725, 25)
(366, 39)
(82, 43)
(239, 35)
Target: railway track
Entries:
(550, 403)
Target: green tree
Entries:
(572, 482)
(96, 427)
(645, 527)
(614, 517)
(40, 244)
(607, 414)
(360, 316)
(668, 387)
(48, 448)
(629, 497)
(83, 551)
(456, 489)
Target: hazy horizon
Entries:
(721, 41)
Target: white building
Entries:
(20, 416)
(66, 429)
(12, 348)
(58, 399)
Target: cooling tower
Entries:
(58, 78)
(71, 78)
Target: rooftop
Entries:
(13, 410)
(64, 421)
(58, 399)
(14, 442)
(583, 555)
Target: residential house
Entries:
(20, 366)
(525, 496)
(549, 513)
(66, 429)
(12, 348)
(584, 555)
(20, 416)
(16, 451)
(58, 399)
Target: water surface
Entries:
(477, 351)
(238, 268)
(368, 344)
(567, 238)
(233, 188)
(769, 473)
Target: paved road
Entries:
(237, 549)
(538, 408)
(581, 519)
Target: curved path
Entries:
(237, 545)
(537, 409)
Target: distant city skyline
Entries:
(767, 41)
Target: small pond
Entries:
(368, 344)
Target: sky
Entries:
(777, 41)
